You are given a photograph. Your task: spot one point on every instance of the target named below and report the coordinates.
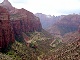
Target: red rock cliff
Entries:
(6, 33)
(27, 20)
(22, 20)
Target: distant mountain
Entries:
(69, 23)
(47, 20)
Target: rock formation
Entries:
(6, 33)
(22, 21)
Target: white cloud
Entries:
(18, 1)
(53, 7)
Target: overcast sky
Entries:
(49, 7)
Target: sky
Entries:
(49, 7)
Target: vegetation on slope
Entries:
(44, 50)
(20, 51)
(67, 51)
(70, 51)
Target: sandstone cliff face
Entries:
(27, 19)
(22, 21)
(6, 33)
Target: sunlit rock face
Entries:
(6, 33)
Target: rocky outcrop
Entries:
(6, 33)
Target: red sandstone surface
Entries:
(20, 20)
(6, 33)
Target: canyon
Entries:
(28, 36)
